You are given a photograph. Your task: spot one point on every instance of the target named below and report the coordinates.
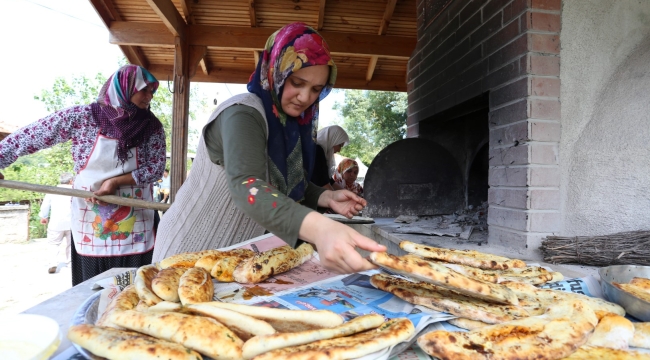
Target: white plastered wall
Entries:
(605, 142)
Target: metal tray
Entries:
(634, 306)
(87, 314)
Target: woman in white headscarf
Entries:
(329, 141)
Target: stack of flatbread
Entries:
(638, 287)
(226, 331)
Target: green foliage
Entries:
(373, 120)
(36, 229)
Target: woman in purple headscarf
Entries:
(118, 148)
(255, 159)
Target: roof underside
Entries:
(370, 40)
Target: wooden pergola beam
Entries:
(187, 11)
(385, 21)
(344, 80)
(242, 38)
(108, 15)
(251, 13)
(321, 15)
(169, 16)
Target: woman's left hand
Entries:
(346, 203)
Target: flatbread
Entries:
(388, 334)
(445, 300)
(641, 283)
(603, 353)
(534, 275)
(434, 273)
(165, 283)
(165, 306)
(634, 290)
(127, 299)
(187, 259)
(464, 257)
(195, 286)
(143, 277)
(284, 320)
(243, 325)
(224, 270)
(613, 331)
(275, 261)
(199, 333)
(536, 300)
(127, 345)
(264, 343)
(467, 324)
(554, 335)
(641, 335)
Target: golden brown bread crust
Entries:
(641, 335)
(464, 257)
(224, 269)
(603, 353)
(431, 272)
(441, 299)
(275, 261)
(613, 331)
(634, 290)
(143, 277)
(641, 283)
(165, 283)
(127, 299)
(195, 286)
(184, 259)
(120, 344)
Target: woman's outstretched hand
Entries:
(343, 202)
(336, 244)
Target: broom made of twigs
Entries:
(625, 248)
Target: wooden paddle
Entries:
(113, 199)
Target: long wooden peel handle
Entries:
(113, 199)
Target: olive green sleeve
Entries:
(238, 142)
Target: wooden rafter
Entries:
(186, 6)
(170, 16)
(385, 21)
(108, 15)
(321, 15)
(251, 13)
(241, 38)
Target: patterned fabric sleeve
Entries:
(152, 166)
(53, 129)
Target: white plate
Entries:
(28, 336)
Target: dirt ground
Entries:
(25, 280)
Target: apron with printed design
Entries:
(110, 230)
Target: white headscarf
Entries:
(327, 138)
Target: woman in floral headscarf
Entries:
(255, 158)
(118, 148)
(346, 176)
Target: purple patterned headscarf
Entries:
(118, 117)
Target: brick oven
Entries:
(539, 106)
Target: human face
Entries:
(350, 176)
(302, 89)
(143, 97)
(337, 148)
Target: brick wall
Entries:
(510, 49)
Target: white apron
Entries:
(111, 230)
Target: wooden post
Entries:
(180, 116)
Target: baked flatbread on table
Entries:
(195, 286)
(554, 335)
(641, 283)
(127, 299)
(284, 320)
(127, 345)
(434, 273)
(603, 353)
(224, 269)
(464, 257)
(641, 335)
(275, 261)
(388, 334)
(243, 325)
(468, 324)
(536, 300)
(203, 334)
(187, 259)
(534, 275)
(165, 283)
(264, 343)
(143, 277)
(634, 290)
(613, 331)
(445, 300)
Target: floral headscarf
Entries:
(344, 166)
(291, 139)
(118, 117)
